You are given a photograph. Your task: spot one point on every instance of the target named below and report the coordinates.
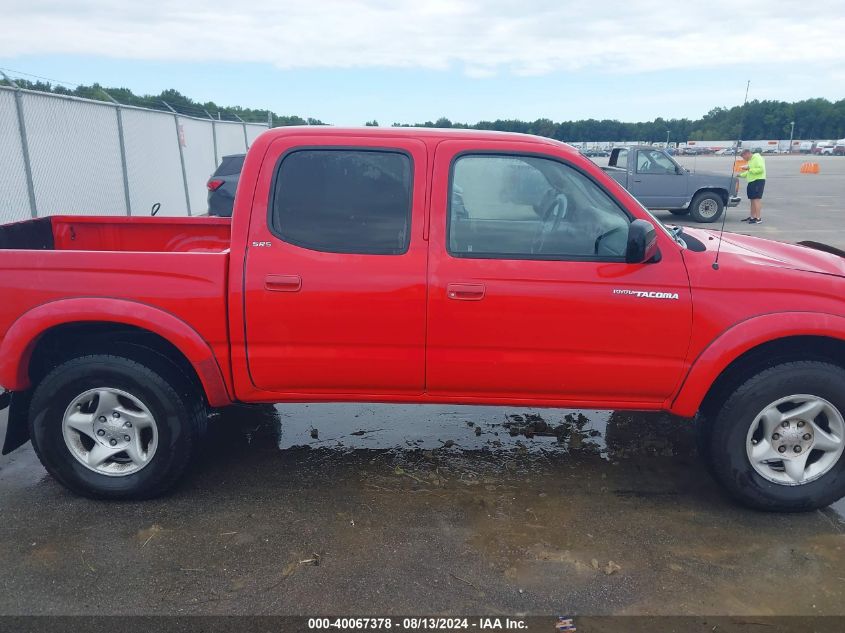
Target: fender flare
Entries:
(741, 338)
(21, 338)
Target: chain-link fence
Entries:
(66, 155)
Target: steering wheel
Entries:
(552, 217)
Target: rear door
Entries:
(529, 293)
(335, 268)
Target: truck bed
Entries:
(177, 265)
(131, 234)
(619, 174)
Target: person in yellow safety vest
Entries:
(755, 173)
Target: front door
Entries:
(656, 181)
(335, 269)
(529, 293)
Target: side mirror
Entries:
(642, 243)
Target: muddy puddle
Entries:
(346, 427)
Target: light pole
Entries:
(791, 132)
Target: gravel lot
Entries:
(438, 509)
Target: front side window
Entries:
(524, 207)
(654, 162)
(344, 201)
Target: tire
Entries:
(679, 211)
(731, 438)
(167, 409)
(706, 207)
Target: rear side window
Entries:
(621, 159)
(344, 201)
(231, 165)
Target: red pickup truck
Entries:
(406, 265)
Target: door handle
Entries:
(638, 181)
(283, 283)
(465, 292)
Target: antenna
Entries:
(733, 164)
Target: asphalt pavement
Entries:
(796, 206)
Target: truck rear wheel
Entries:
(111, 427)
(706, 207)
(777, 443)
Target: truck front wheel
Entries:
(706, 207)
(777, 443)
(111, 427)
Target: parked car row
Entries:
(694, 151)
(823, 148)
(829, 148)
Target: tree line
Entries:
(813, 118)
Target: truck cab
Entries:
(654, 178)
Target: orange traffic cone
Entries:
(809, 168)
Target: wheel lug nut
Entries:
(115, 414)
(102, 418)
(797, 449)
(776, 436)
(128, 425)
(807, 437)
(126, 437)
(801, 424)
(782, 449)
(101, 432)
(113, 442)
(785, 424)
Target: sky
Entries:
(350, 61)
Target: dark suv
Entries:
(222, 185)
